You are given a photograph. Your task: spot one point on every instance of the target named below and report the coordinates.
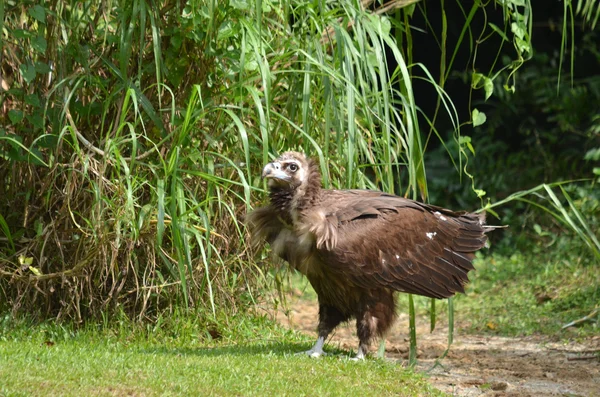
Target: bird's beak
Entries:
(273, 171)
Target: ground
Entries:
(477, 365)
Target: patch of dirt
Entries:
(477, 365)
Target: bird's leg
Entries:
(361, 354)
(366, 326)
(375, 319)
(363, 345)
(329, 318)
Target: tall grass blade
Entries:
(566, 218)
(6, 230)
(412, 355)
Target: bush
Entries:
(134, 133)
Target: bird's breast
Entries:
(296, 248)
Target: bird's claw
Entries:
(312, 353)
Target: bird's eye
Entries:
(293, 167)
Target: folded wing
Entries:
(379, 240)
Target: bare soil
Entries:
(477, 365)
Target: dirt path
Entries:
(477, 365)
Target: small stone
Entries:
(550, 375)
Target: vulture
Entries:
(359, 247)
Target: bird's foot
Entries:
(317, 350)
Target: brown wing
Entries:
(383, 240)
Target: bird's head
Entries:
(294, 181)
(288, 172)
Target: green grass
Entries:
(50, 359)
(534, 291)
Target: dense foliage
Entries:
(132, 134)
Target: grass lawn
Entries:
(41, 361)
(524, 292)
(534, 291)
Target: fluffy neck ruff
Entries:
(291, 200)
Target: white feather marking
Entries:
(442, 217)
(431, 235)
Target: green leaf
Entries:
(226, 30)
(33, 100)
(518, 29)
(36, 119)
(251, 65)
(386, 25)
(372, 60)
(42, 67)
(410, 9)
(471, 148)
(488, 87)
(475, 79)
(509, 88)
(522, 45)
(488, 84)
(21, 33)
(176, 40)
(519, 3)
(466, 140)
(239, 4)
(592, 154)
(28, 72)
(478, 117)
(35, 270)
(480, 193)
(38, 12)
(25, 260)
(39, 44)
(15, 116)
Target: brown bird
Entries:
(358, 247)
